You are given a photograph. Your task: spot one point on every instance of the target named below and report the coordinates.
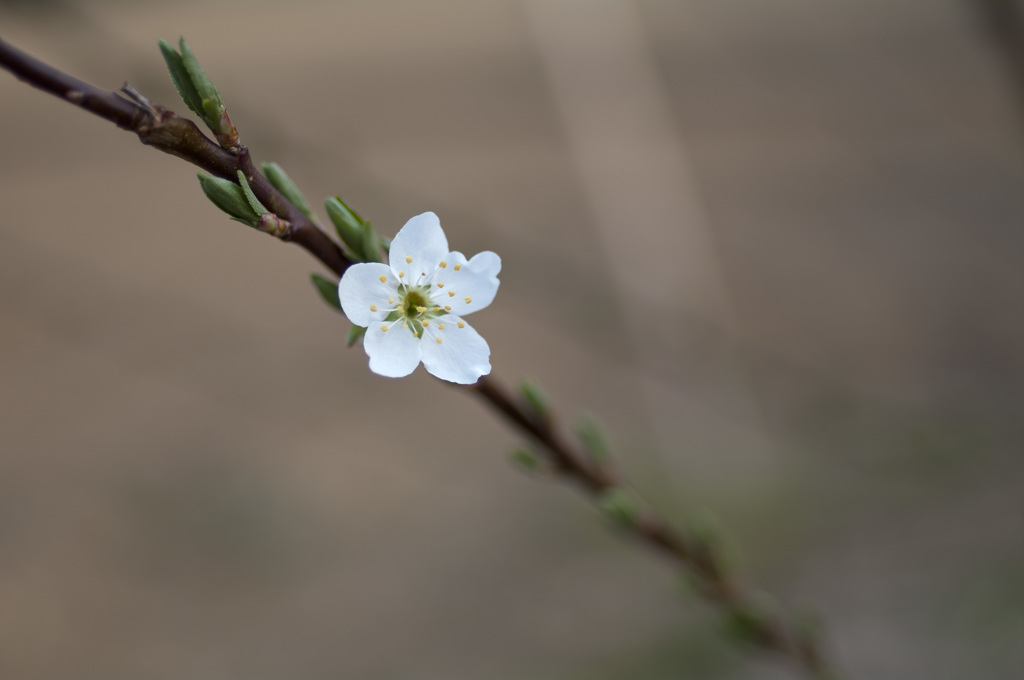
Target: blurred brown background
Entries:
(776, 246)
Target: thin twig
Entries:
(162, 129)
(170, 133)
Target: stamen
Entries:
(468, 299)
(443, 264)
(373, 308)
(408, 260)
(447, 308)
(391, 300)
(441, 326)
(383, 279)
(440, 285)
(437, 309)
(426, 322)
(462, 324)
(405, 325)
(458, 267)
(383, 329)
(438, 340)
(401, 274)
(421, 309)
(451, 293)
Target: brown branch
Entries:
(164, 130)
(172, 134)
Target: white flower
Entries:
(413, 309)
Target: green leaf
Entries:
(354, 333)
(283, 183)
(328, 290)
(181, 78)
(347, 223)
(229, 197)
(254, 202)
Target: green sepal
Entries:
(594, 439)
(535, 397)
(181, 78)
(328, 290)
(254, 202)
(283, 183)
(619, 505)
(212, 107)
(230, 198)
(354, 333)
(347, 223)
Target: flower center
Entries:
(414, 304)
(415, 308)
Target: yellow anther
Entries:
(426, 322)
(401, 274)
(451, 293)
(405, 325)
(437, 309)
(373, 308)
(438, 340)
(383, 279)
(391, 300)
(468, 299)
(458, 267)
(443, 264)
(440, 285)
(462, 324)
(421, 309)
(448, 308)
(441, 326)
(383, 329)
(408, 260)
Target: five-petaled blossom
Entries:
(412, 309)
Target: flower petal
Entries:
(360, 290)
(462, 286)
(423, 242)
(486, 263)
(394, 353)
(461, 357)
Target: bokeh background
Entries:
(777, 247)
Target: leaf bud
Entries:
(198, 91)
(594, 439)
(283, 183)
(620, 505)
(536, 398)
(525, 459)
(229, 197)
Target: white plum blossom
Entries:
(412, 309)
